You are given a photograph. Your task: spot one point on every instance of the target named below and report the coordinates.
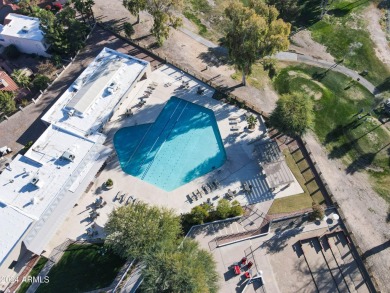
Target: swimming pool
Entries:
(182, 144)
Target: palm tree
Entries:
(21, 78)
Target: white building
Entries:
(39, 189)
(23, 32)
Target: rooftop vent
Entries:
(35, 181)
(25, 29)
(68, 156)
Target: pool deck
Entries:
(241, 165)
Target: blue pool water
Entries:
(182, 144)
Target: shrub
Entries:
(318, 211)
(11, 52)
(46, 67)
(40, 82)
(129, 30)
(223, 209)
(57, 60)
(109, 182)
(236, 209)
(28, 145)
(199, 214)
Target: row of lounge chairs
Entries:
(205, 189)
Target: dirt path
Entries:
(302, 43)
(365, 211)
(378, 36)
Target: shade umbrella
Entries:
(335, 217)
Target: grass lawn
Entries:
(83, 268)
(360, 143)
(34, 272)
(297, 202)
(343, 32)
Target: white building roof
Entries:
(21, 26)
(44, 162)
(96, 92)
(13, 226)
(40, 188)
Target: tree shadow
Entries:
(344, 10)
(383, 86)
(334, 134)
(278, 242)
(361, 163)
(376, 249)
(215, 57)
(340, 151)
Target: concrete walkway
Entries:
(293, 57)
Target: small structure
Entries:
(272, 162)
(23, 32)
(6, 83)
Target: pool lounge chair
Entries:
(235, 128)
(210, 186)
(206, 189)
(234, 117)
(195, 197)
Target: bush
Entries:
(40, 82)
(236, 209)
(11, 52)
(57, 60)
(199, 214)
(223, 209)
(318, 212)
(28, 145)
(129, 30)
(109, 182)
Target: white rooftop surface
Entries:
(44, 158)
(93, 98)
(13, 225)
(22, 26)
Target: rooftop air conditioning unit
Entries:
(35, 181)
(68, 156)
(71, 112)
(25, 29)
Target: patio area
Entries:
(240, 178)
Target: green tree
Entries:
(289, 9)
(7, 102)
(162, 12)
(84, 7)
(64, 33)
(40, 82)
(21, 78)
(199, 214)
(187, 269)
(138, 230)
(128, 28)
(293, 114)
(236, 209)
(252, 33)
(223, 209)
(135, 6)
